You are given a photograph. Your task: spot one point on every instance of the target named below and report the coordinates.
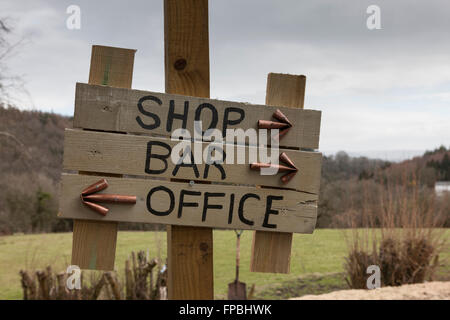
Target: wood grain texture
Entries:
(113, 109)
(293, 211)
(111, 66)
(193, 246)
(94, 245)
(128, 154)
(186, 43)
(271, 252)
(286, 90)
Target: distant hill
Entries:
(354, 187)
(432, 166)
(32, 141)
(386, 155)
(31, 150)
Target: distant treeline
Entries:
(441, 167)
(352, 188)
(31, 152)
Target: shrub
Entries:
(406, 245)
(143, 280)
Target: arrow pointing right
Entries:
(289, 167)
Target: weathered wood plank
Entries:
(186, 67)
(111, 66)
(134, 111)
(94, 245)
(205, 205)
(271, 252)
(137, 155)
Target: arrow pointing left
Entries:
(89, 196)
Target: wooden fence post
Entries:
(186, 40)
(94, 243)
(271, 251)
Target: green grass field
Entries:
(321, 253)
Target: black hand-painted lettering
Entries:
(207, 206)
(230, 211)
(216, 163)
(187, 204)
(156, 119)
(214, 116)
(227, 121)
(241, 207)
(162, 157)
(171, 201)
(182, 164)
(172, 115)
(270, 211)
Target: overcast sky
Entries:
(385, 89)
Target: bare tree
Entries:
(8, 82)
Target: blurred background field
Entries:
(317, 260)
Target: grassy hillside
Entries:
(32, 140)
(31, 151)
(320, 253)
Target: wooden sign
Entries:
(224, 195)
(218, 206)
(135, 111)
(149, 156)
(121, 144)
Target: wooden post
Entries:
(94, 243)
(186, 40)
(271, 251)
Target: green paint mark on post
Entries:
(106, 72)
(93, 259)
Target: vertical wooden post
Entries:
(271, 251)
(94, 243)
(186, 41)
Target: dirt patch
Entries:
(310, 284)
(438, 290)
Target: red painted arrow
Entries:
(283, 124)
(289, 167)
(88, 197)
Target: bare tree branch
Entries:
(9, 83)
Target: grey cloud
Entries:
(348, 66)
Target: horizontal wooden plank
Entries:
(137, 155)
(134, 111)
(207, 205)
